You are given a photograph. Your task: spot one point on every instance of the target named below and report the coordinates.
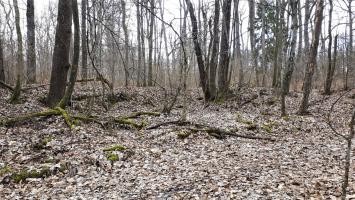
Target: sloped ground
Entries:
(305, 162)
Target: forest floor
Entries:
(304, 162)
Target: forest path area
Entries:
(111, 161)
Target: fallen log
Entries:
(212, 131)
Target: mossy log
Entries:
(13, 120)
(46, 113)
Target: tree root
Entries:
(212, 131)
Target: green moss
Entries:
(115, 148)
(286, 118)
(219, 101)
(4, 170)
(112, 157)
(24, 174)
(183, 134)
(267, 128)
(240, 119)
(43, 142)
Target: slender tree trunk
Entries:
(253, 39)
(84, 53)
(328, 80)
(263, 56)
(2, 66)
(139, 46)
(20, 62)
(60, 63)
(349, 67)
(31, 40)
(126, 41)
(198, 50)
(150, 44)
(74, 67)
(312, 59)
(214, 55)
(223, 69)
(291, 57)
(300, 33)
(307, 16)
(238, 52)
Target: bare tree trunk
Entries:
(214, 55)
(291, 57)
(307, 16)
(223, 69)
(126, 41)
(263, 56)
(20, 62)
(312, 59)
(350, 46)
(150, 44)
(139, 46)
(237, 42)
(198, 50)
(300, 33)
(60, 64)
(74, 67)
(253, 39)
(2, 66)
(84, 53)
(31, 43)
(328, 81)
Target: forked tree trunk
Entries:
(312, 59)
(74, 67)
(223, 69)
(31, 43)
(60, 61)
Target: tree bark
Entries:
(312, 59)
(74, 67)
(126, 41)
(60, 61)
(139, 46)
(238, 52)
(31, 46)
(198, 50)
(328, 80)
(2, 66)
(291, 57)
(20, 62)
(253, 39)
(223, 83)
(84, 53)
(150, 44)
(214, 55)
